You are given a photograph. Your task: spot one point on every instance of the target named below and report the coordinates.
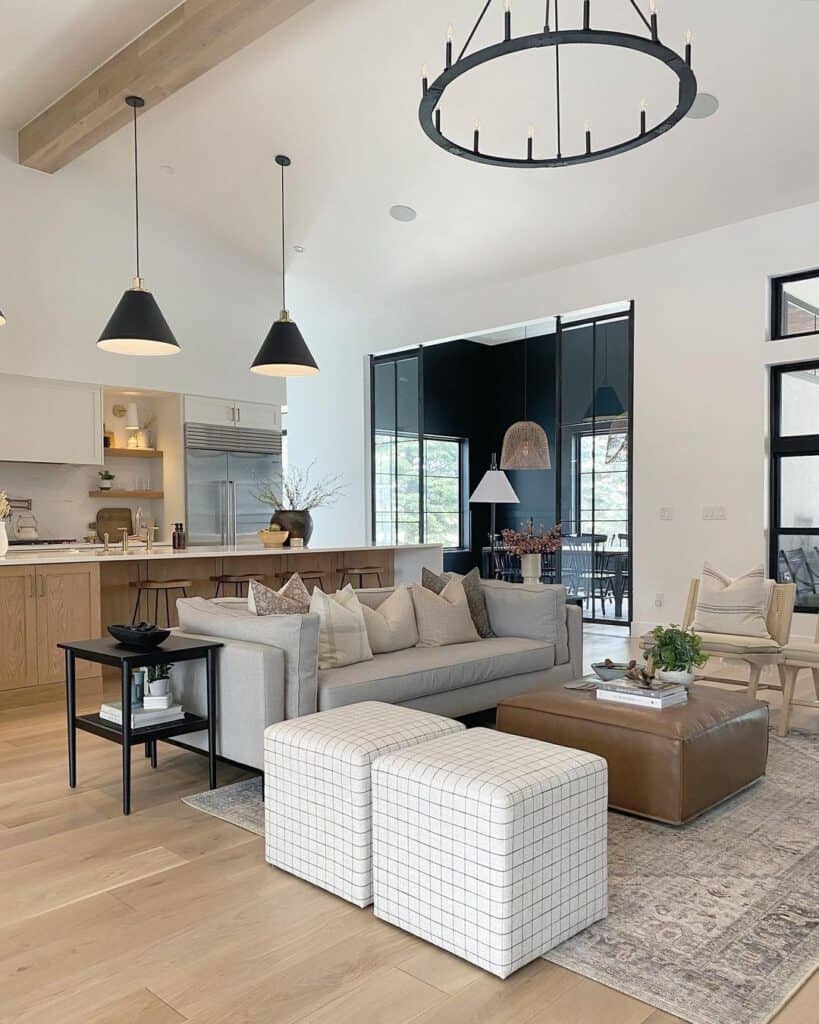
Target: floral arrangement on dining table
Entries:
(544, 543)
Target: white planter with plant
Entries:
(5, 512)
(674, 653)
(106, 479)
(158, 680)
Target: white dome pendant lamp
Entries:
(137, 326)
(284, 352)
(525, 444)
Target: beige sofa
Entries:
(268, 667)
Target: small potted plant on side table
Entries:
(674, 653)
(157, 680)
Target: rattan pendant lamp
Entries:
(525, 444)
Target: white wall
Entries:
(67, 257)
(700, 383)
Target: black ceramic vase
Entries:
(297, 524)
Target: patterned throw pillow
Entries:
(292, 599)
(474, 595)
(737, 607)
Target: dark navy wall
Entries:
(476, 392)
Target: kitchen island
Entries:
(53, 595)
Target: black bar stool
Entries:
(157, 587)
(235, 580)
(360, 571)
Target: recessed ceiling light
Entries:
(298, 248)
(403, 213)
(705, 105)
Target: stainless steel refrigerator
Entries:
(223, 467)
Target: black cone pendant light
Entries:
(137, 326)
(284, 352)
(2, 318)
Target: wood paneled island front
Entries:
(53, 595)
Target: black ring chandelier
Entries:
(429, 112)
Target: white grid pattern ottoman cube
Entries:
(490, 846)
(317, 796)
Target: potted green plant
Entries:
(674, 653)
(294, 496)
(157, 680)
(106, 479)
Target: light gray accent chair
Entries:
(268, 667)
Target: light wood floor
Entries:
(171, 916)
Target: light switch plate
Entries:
(666, 513)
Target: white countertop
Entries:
(40, 555)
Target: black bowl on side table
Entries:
(142, 637)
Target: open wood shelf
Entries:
(133, 453)
(126, 494)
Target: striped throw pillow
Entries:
(737, 607)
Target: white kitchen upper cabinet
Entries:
(224, 411)
(258, 415)
(50, 421)
(218, 411)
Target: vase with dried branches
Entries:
(294, 496)
(5, 512)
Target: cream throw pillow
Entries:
(738, 607)
(342, 631)
(391, 626)
(443, 618)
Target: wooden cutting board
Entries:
(112, 520)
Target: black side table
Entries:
(107, 651)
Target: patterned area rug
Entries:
(715, 923)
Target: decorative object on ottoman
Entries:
(474, 595)
(318, 790)
(608, 669)
(293, 496)
(670, 766)
(672, 653)
(292, 599)
(530, 547)
(490, 846)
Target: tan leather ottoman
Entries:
(668, 765)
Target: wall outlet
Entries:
(666, 514)
(659, 600)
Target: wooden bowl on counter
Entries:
(273, 538)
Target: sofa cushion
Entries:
(473, 590)
(443, 619)
(421, 671)
(391, 626)
(296, 635)
(292, 599)
(803, 650)
(728, 643)
(533, 610)
(342, 631)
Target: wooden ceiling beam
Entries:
(190, 40)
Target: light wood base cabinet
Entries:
(39, 607)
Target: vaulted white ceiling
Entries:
(337, 88)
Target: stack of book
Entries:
(142, 717)
(623, 691)
(158, 703)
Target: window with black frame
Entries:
(794, 490)
(418, 481)
(795, 305)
